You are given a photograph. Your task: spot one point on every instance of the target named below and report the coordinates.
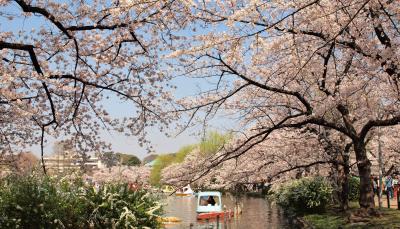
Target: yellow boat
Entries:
(183, 194)
(169, 219)
(167, 189)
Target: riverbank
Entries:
(333, 219)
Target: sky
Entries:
(161, 143)
(121, 143)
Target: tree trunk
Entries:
(364, 169)
(299, 174)
(344, 196)
(335, 175)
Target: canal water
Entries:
(257, 213)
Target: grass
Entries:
(390, 218)
(325, 221)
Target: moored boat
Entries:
(182, 194)
(167, 189)
(170, 219)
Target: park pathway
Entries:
(393, 202)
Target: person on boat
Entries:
(211, 200)
(203, 201)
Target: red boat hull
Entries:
(214, 215)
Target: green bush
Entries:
(305, 195)
(43, 202)
(354, 188)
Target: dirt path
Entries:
(393, 202)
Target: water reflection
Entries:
(257, 213)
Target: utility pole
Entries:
(380, 168)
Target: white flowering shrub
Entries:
(115, 205)
(43, 202)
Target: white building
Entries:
(71, 161)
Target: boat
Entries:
(170, 219)
(167, 189)
(215, 215)
(209, 206)
(185, 191)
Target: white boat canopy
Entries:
(209, 202)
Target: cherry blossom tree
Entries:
(127, 174)
(60, 62)
(290, 64)
(283, 156)
(387, 139)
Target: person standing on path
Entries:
(395, 185)
(375, 186)
(389, 186)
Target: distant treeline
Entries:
(209, 145)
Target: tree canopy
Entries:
(292, 64)
(270, 66)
